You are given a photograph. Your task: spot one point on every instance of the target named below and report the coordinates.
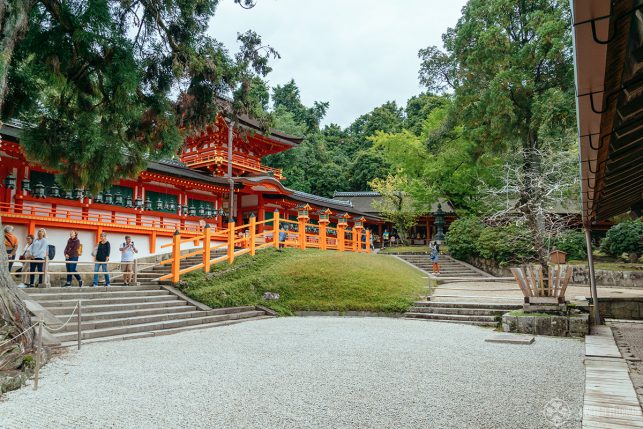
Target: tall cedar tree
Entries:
(509, 64)
(105, 86)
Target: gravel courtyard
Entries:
(306, 372)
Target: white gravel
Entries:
(306, 372)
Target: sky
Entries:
(355, 54)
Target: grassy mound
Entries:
(310, 280)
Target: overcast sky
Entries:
(355, 54)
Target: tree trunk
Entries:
(532, 196)
(14, 317)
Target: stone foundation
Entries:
(621, 308)
(552, 325)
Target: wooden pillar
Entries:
(322, 234)
(275, 229)
(429, 225)
(231, 239)
(153, 242)
(176, 257)
(253, 235)
(302, 232)
(261, 214)
(341, 235)
(206, 249)
(368, 241)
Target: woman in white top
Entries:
(39, 250)
(25, 255)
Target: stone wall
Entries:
(621, 308)
(580, 276)
(558, 326)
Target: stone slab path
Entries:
(315, 372)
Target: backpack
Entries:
(51, 251)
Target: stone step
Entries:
(118, 307)
(87, 294)
(455, 317)
(152, 326)
(462, 322)
(49, 304)
(459, 310)
(435, 297)
(139, 319)
(72, 289)
(455, 304)
(159, 332)
(103, 315)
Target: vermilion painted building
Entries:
(168, 195)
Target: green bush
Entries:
(573, 243)
(626, 237)
(506, 245)
(462, 237)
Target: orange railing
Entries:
(51, 214)
(253, 236)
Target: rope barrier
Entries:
(64, 324)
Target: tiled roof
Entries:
(356, 194)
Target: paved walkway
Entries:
(308, 372)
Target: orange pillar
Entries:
(368, 241)
(322, 234)
(231, 238)
(302, 232)
(341, 235)
(253, 235)
(275, 229)
(206, 249)
(176, 258)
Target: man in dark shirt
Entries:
(101, 256)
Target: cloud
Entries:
(356, 54)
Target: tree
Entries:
(509, 65)
(395, 205)
(130, 73)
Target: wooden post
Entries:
(176, 257)
(368, 241)
(341, 235)
(207, 233)
(322, 235)
(253, 235)
(135, 272)
(275, 229)
(45, 270)
(302, 233)
(38, 355)
(357, 239)
(80, 313)
(231, 238)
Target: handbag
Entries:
(95, 251)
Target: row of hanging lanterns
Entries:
(117, 198)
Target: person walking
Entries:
(72, 252)
(435, 266)
(128, 250)
(101, 257)
(39, 250)
(11, 244)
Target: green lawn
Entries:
(310, 280)
(611, 265)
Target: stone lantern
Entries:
(39, 190)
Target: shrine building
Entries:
(180, 194)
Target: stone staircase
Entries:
(464, 294)
(119, 312)
(470, 313)
(449, 267)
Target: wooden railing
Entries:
(254, 236)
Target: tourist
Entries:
(372, 242)
(128, 250)
(26, 256)
(72, 252)
(435, 267)
(11, 244)
(101, 257)
(39, 250)
(282, 236)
